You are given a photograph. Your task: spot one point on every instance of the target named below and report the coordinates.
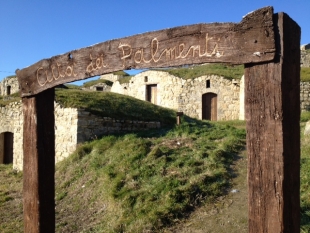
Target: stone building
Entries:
(305, 55)
(112, 77)
(8, 86)
(207, 97)
(99, 87)
(72, 127)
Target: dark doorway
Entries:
(8, 90)
(209, 106)
(8, 147)
(99, 88)
(151, 93)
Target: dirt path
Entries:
(227, 214)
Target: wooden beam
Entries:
(251, 40)
(273, 134)
(39, 163)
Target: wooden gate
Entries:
(209, 106)
(269, 46)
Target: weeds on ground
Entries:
(304, 116)
(11, 205)
(305, 74)
(305, 176)
(145, 184)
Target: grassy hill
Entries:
(107, 104)
(144, 181)
(135, 182)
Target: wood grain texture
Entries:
(250, 41)
(39, 163)
(273, 135)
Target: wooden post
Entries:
(273, 135)
(179, 114)
(39, 163)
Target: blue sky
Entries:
(31, 30)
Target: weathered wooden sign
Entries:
(252, 40)
(268, 45)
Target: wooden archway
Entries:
(268, 45)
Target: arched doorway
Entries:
(209, 106)
(6, 147)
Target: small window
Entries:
(208, 84)
(146, 79)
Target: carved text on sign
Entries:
(155, 54)
(241, 43)
(54, 73)
(176, 52)
(95, 65)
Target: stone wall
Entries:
(168, 87)
(72, 126)
(66, 127)
(100, 87)
(111, 77)
(11, 120)
(305, 96)
(227, 91)
(10, 82)
(91, 127)
(305, 58)
(103, 87)
(185, 95)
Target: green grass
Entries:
(5, 100)
(305, 74)
(305, 181)
(114, 105)
(305, 116)
(125, 80)
(305, 174)
(121, 72)
(72, 86)
(148, 183)
(143, 181)
(227, 71)
(11, 217)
